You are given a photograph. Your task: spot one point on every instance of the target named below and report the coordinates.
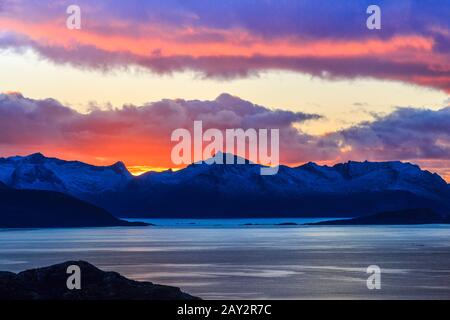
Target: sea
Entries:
(251, 258)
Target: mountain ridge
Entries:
(51, 209)
(234, 190)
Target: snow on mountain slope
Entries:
(309, 178)
(395, 175)
(74, 177)
(202, 189)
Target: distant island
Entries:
(402, 217)
(49, 283)
(50, 209)
(344, 190)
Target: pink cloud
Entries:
(140, 135)
(191, 37)
(136, 135)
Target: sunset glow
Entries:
(115, 89)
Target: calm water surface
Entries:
(223, 259)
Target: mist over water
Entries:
(225, 259)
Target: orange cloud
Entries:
(140, 136)
(236, 42)
(231, 52)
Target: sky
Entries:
(136, 70)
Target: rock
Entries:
(49, 283)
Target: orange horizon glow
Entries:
(140, 170)
(137, 170)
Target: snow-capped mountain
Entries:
(341, 178)
(202, 190)
(73, 177)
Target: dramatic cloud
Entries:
(237, 38)
(407, 133)
(418, 135)
(136, 135)
(140, 135)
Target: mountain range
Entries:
(238, 190)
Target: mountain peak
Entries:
(36, 156)
(376, 165)
(74, 177)
(120, 167)
(226, 158)
(310, 165)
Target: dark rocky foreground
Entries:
(49, 283)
